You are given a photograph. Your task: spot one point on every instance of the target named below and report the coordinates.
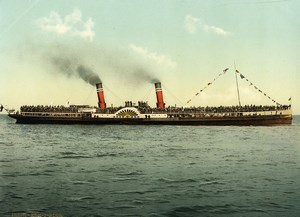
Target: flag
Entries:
(197, 94)
(242, 76)
(250, 84)
(237, 71)
(225, 70)
(208, 84)
(1, 108)
(290, 98)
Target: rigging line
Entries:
(146, 96)
(113, 93)
(66, 68)
(255, 87)
(172, 94)
(71, 68)
(92, 90)
(208, 84)
(18, 18)
(237, 85)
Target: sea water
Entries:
(78, 170)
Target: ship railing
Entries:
(51, 114)
(229, 114)
(179, 111)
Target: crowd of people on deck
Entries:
(46, 108)
(214, 109)
(169, 109)
(228, 109)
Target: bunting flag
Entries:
(259, 90)
(242, 77)
(290, 99)
(225, 70)
(208, 84)
(1, 108)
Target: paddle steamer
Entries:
(142, 114)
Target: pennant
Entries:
(260, 91)
(237, 71)
(197, 94)
(290, 99)
(250, 84)
(255, 87)
(188, 101)
(242, 76)
(225, 70)
(208, 84)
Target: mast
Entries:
(237, 85)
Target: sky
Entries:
(50, 51)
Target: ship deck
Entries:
(181, 119)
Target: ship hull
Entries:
(266, 120)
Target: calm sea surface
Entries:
(58, 170)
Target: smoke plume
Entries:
(70, 67)
(88, 75)
(143, 75)
(84, 62)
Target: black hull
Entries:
(264, 120)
